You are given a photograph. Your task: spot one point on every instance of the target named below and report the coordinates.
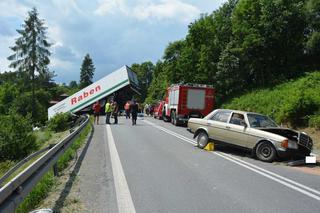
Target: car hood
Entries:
(285, 132)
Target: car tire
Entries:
(266, 152)
(202, 139)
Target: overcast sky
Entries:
(113, 32)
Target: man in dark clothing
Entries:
(115, 112)
(134, 112)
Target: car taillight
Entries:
(285, 143)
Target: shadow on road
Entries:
(63, 195)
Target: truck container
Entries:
(184, 101)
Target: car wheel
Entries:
(266, 152)
(202, 140)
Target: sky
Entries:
(113, 32)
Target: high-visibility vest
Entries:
(108, 108)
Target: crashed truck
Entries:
(120, 85)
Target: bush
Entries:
(314, 121)
(16, 138)
(60, 122)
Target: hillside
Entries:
(295, 103)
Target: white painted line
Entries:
(124, 199)
(271, 175)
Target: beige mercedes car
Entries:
(258, 133)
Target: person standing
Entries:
(127, 109)
(96, 112)
(108, 110)
(134, 107)
(115, 111)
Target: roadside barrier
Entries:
(13, 193)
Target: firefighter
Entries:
(108, 110)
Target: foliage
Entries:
(314, 121)
(31, 56)
(86, 71)
(73, 84)
(60, 122)
(293, 102)
(38, 193)
(144, 73)
(41, 190)
(245, 44)
(16, 138)
(70, 153)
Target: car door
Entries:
(217, 125)
(237, 129)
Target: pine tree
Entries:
(31, 54)
(86, 71)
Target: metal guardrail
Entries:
(13, 193)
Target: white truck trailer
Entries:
(115, 81)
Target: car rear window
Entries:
(221, 116)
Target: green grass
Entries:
(46, 184)
(292, 103)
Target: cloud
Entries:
(111, 7)
(167, 9)
(147, 10)
(12, 9)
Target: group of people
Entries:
(112, 108)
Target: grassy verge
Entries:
(44, 138)
(46, 184)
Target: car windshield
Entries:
(257, 120)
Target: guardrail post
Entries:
(55, 169)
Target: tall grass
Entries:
(293, 102)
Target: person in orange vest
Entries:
(127, 109)
(96, 112)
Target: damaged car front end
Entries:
(299, 143)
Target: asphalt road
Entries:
(154, 167)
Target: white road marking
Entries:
(124, 199)
(271, 175)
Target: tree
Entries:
(87, 71)
(73, 84)
(31, 54)
(144, 73)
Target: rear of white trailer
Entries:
(106, 86)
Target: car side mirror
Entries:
(243, 123)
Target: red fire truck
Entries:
(188, 100)
(158, 110)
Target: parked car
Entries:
(258, 133)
